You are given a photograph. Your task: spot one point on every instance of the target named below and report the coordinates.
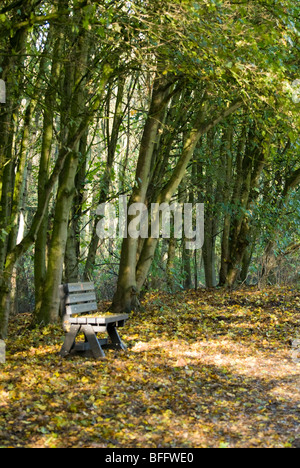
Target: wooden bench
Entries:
(80, 298)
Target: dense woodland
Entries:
(159, 101)
(154, 101)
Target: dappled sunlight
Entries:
(232, 356)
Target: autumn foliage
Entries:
(203, 369)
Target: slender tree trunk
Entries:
(72, 254)
(11, 170)
(112, 141)
(11, 65)
(5, 296)
(228, 160)
(253, 165)
(50, 298)
(187, 256)
(186, 196)
(125, 297)
(40, 250)
(246, 262)
(171, 264)
(210, 224)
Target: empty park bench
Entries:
(78, 301)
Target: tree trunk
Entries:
(125, 296)
(11, 65)
(40, 251)
(5, 296)
(211, 216)
(187, 256)
(253, 165)
(11, 169)
(171, 264)
(186, 196)
(228, 159)
(112, 141)
(50, 298)
(72, 254)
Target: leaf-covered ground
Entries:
(203, 369)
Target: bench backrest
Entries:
(78, 298)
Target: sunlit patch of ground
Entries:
(205, 369)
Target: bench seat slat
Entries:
(81, 320)
(118, 319)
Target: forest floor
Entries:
(203, 369)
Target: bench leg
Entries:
(91, 337)
(115, 338)
(69, 340)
